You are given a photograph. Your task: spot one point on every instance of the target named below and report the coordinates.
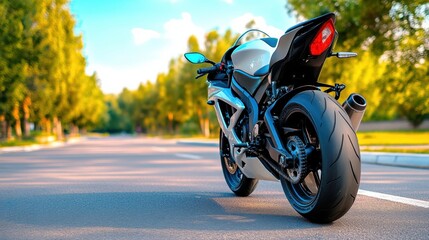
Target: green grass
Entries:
(14, 143)
(395, 141)
(397, 150)
(35, 138)
(394, 138)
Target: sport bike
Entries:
(279, 123)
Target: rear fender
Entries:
(281, 102)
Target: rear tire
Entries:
(331, 185)
(239, 184)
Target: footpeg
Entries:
(241, 145)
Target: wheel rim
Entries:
(231, 171)
(230, 166)
(305, 192)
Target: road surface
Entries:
(148, 188)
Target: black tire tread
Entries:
(246, 185)
(341, 158)
(354, 148)
(339, 151)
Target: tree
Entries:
(390, 34)
(62, 92)
(15, 22)
(42, 70)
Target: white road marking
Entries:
(188, 156)
(393, 198)
(159, 149)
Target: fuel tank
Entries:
(254, 57)
(252, 62)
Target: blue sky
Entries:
(129, 42)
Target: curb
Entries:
(379, 158)
(36, 147)
(396, 159)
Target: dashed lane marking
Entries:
(188, 156)
(159, 149)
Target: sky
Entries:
(129, 42)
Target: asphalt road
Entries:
(142, 188)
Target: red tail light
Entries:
(323, 38)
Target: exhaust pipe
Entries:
(355, 106)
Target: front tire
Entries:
(330, 187)
(239, 184)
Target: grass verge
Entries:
(18, 143)
(395, 150)
(394, 138)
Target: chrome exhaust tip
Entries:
(355, 106)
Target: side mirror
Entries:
(195, 58)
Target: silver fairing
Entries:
(252, 168)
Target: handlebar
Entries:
(218, 67)
(208, 69)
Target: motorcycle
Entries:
(278, 124)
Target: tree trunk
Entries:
(8, 131)
(46, 126)
(206, 127)
(18, 130)
(15, 115)
(74, 130)
(58, 129)
(204, 124)
(170, 122)
(26, 125)
(3, 128)
(26, 108)
(201, 120)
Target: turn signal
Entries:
(323, 38)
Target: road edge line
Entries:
(393, 198)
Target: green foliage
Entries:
(14, 44)
(176, 102)
(42, 70)
(392, 39)
(114, 119)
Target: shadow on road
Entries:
(154, 210)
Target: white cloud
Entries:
(176, 34)
(141, 35)
(229, 1)
(114, 78)
(239, 25)
(174, 39)
(178, 31)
